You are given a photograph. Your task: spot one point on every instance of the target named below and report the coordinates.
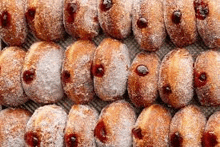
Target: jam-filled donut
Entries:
(81, 18)
(114, 125)
(143, 79)
(13, 27)
(176, 78)
(152, 127)
(76, 71)
(208, 22)
(115, 17)
(148, 23)
(187, 126)
(12, 127)
(207, 79)
(11, 90)
(211, 134)
(41, 73)
(80, 126)
(110, 69)
(180, 21)
(45, 19)
(46, 127)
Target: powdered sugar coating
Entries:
(47, 23)
(142, 90)
(153, 35)
(114, 57)
(46, 59)
(11, 91)
(183, 33)
(154, 122)
(209, 28)
(208, 62)
(176, 74)
(78, 62)
(49, 123)
(189, 122)
(81, 121)
(116, 22)
(12, 127)
(85, 23)
(15, 33)
(119, 118)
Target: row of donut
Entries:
(46, 72)
(116, 126)
(150, 20)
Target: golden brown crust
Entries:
(209, 25)
(118, 119)
(81, 124)
(11, 91)
(45, 19)
(41, 73)
(76, 71)
(46, 127)
(115, 17)
(187, 126)
(176, 78)
(150, 32)
(207, 80)
(82, 22)
(12, 126)
(13, 30)
(113, 57)
(180, 21)
(153, 127)
(142, 89)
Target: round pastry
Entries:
(115, 17)
(180, 22)
(148, 23)
(110, 69)
(207, 79)
(46, 127)
(143, 79)
(176, 78)
(80, 126)
(208, 22)
(12, 127)
(41, 73)
(11, 90)
(211, 134)
(13, 27)
(187, 126)
(152, 127)
(76, 71)
(45, 19)
(114, 125)
(81, 18)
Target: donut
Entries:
(13, 26)
(80, 18)
(12, 126)
(110, 69)
(143, 78)
(176, 78)
(41, 73)
(148, 24)
(80, 126)
(45, 19)
(11, 64)
(46, 127)
(76, 71)
(115, 124)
